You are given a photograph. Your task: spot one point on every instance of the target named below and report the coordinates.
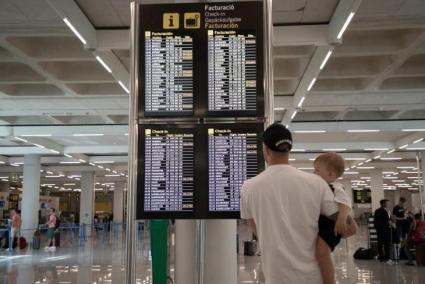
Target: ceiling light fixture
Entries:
(408, 130)
(276, 109)
(298, 150)
(35, 135)
(87, 134)
(124, 87)
(377, 157)
(67, 155)
(404, 146)
(365, 168)
(311, 84)
(20, 139)
(301, 102)
(363, 130)
(376, 149)
(74, 30)
(391, 151)
(294, 114)
(103, 64)
(334, 150)
(417, 141)
(392, 159)
(344, 27)
(54, 151)
(416, 148)
(69, 162)
(309, 131)
(325, 60)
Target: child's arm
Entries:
(341, 221)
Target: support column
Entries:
(118, 204)
(396, 197)
(185, 251)
(220, 264)
(346, 183)
(377, 191)
(87, 200)
(30, 196)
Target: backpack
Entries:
(363, 253)
(58, 222)
(419, 235)
(22, 243)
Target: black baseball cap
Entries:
(277, 135)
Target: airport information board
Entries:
(201, 60)
(169, 178)
(201, 63)
(232, 159)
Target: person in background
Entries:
(399, 215)
(16, 226)
(330, 166)
(381, 220)
(409, 241)
(51, 231)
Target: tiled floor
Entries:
(101, 261)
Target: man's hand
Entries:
(351, 228)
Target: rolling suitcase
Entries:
(36, 240)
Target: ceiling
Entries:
(373, 83)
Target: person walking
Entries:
(283, 205)
(381, 220)
(51, 231)
(16, 226)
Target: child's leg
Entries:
(323, 255)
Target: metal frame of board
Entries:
(130, 260)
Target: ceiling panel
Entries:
(10, 71)
(30, 90)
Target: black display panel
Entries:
(362, 196)
(166, 174)
(232, 72)
(234, 155)
(197, 171)
(201, 60)
(168, 73)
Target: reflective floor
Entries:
(101, 261)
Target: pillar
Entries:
(376, 188)
(220, 252)
(220, 262)
(87, 200)
(397, 195)
(346, 183)
(185, 252)
(118, 203)
(30, 196)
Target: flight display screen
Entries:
(201, 60)
(232, 71)
(234, 155)
(168, 170)
(168, 73)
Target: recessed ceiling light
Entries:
(413, 130)
(325, 60)
(35, 135)
(392, 158)
(344, 27)
(309, 131)
(74, 30)
(124, 87)
(87, 134)
(103, 64)
(376, 149)
(301, 102)
(334, 150)
(417, 141)
(311, 84)
(294, 114)
(363, 130)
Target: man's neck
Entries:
(279, 161)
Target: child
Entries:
(330, 166)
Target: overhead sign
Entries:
(201, 63)
(201, 60)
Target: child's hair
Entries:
(333, 162)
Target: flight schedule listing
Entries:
(232, 71)
(169, 170)
(168, 73)
(232, 159)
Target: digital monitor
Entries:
(201, 60)
(234, 155)
(166, 185)
(232, 72)
(168, 75)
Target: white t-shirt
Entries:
(285, 204)
(341, 195)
